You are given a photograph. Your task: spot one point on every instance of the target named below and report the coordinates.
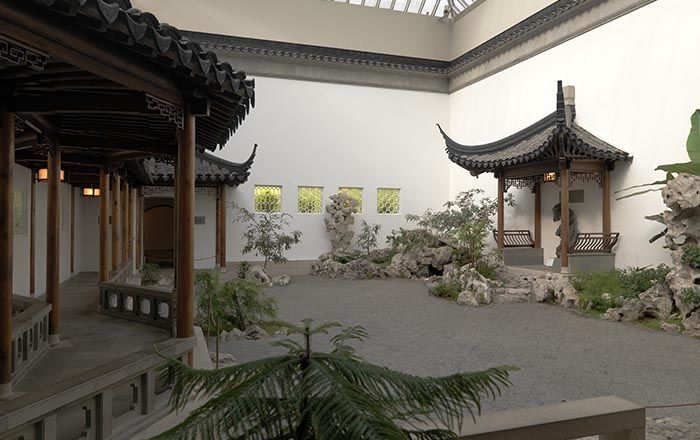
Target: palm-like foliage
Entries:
(311, 395)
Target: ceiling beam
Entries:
(62, 102)
(94, 143)
(31, 25)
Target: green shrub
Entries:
(150, 274)
(691, 256)
(408, 239)
(345, 259)
(243, 269)
(367, 238)
(625, 283)
(447, 290)
(691, 296)
(385, 260)
(486, 270)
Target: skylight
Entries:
(435, 8)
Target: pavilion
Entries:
(554, 150)
(90, 89)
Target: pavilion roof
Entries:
(209, 170)
(556, 136)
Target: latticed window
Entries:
(310, 200)
(268, 198)
(355, 193)
(388, 200)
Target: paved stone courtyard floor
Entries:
(562, 355)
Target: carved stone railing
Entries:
(149, 305)
(611, 418)
(111, 402)
(30, 333)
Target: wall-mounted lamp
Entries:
(43, 175)
(91, 192)
(549, 177)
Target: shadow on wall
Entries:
(159, 230)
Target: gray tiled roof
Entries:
(209, 169)
(536, 142)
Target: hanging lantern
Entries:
(91, 192)
(43, 175)
(549, 177)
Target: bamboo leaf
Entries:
(693, 143)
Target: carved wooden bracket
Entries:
(12, 52)
(170, 111)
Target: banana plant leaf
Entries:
(687, 168)
(660, 219)
(693, 143)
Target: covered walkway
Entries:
(89, 339)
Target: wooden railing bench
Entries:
(612, 418)
(30, 333)
(515, 238)
(595, 243)
(149, 305)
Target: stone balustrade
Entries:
(149, 305)
(610, 417)
(30, 333)
(110, 402)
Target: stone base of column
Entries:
(5, 390)
(54, 340)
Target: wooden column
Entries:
(501, 211)
(53, 245)
(125, 222)
(131, 228)
(185, 227)
(564, 176)
(7, 163)
(217, 240)
(104, 224)
(116, 198)
(222, 246)
(32, 236)
(72, 229)
(538, 215)
(606, 201)
(139, 230)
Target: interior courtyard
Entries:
(349, 219)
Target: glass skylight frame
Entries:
(434, 8)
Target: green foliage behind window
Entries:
(388, 200)
(268, 198)
(310, 200)
(355, 193)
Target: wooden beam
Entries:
(185, 228)
(84, 102)
(529, 170)
(587, 166)
(39, 29)
(116, 199)
(32, 235)
(72, 229)
(7, 234)
(104, 224)
(606, 201)
(564, 177)
(116, 144)
(538, 215)
(131, 228)
(222, 246)
(501, 212)
(53, 245)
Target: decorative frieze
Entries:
(15, 53)
(168, 110)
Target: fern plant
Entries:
(309, 395)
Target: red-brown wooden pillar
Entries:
(116, 197)
(32, 236)
(217, 240)
(139, 230)
(564, 173)
(538, 215)
(185, 227)
(125, 223)
(53, 245)
(104, 224)
(72, 229)
(7, 163)
(222, 245)
(501, 211)
(606, 200)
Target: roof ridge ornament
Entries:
(561, 110)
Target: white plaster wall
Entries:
(20, 274)
(635, 88)
(88, 235)
(330, 135)
(205, 235)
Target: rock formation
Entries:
(573, 230)
(339, 221)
